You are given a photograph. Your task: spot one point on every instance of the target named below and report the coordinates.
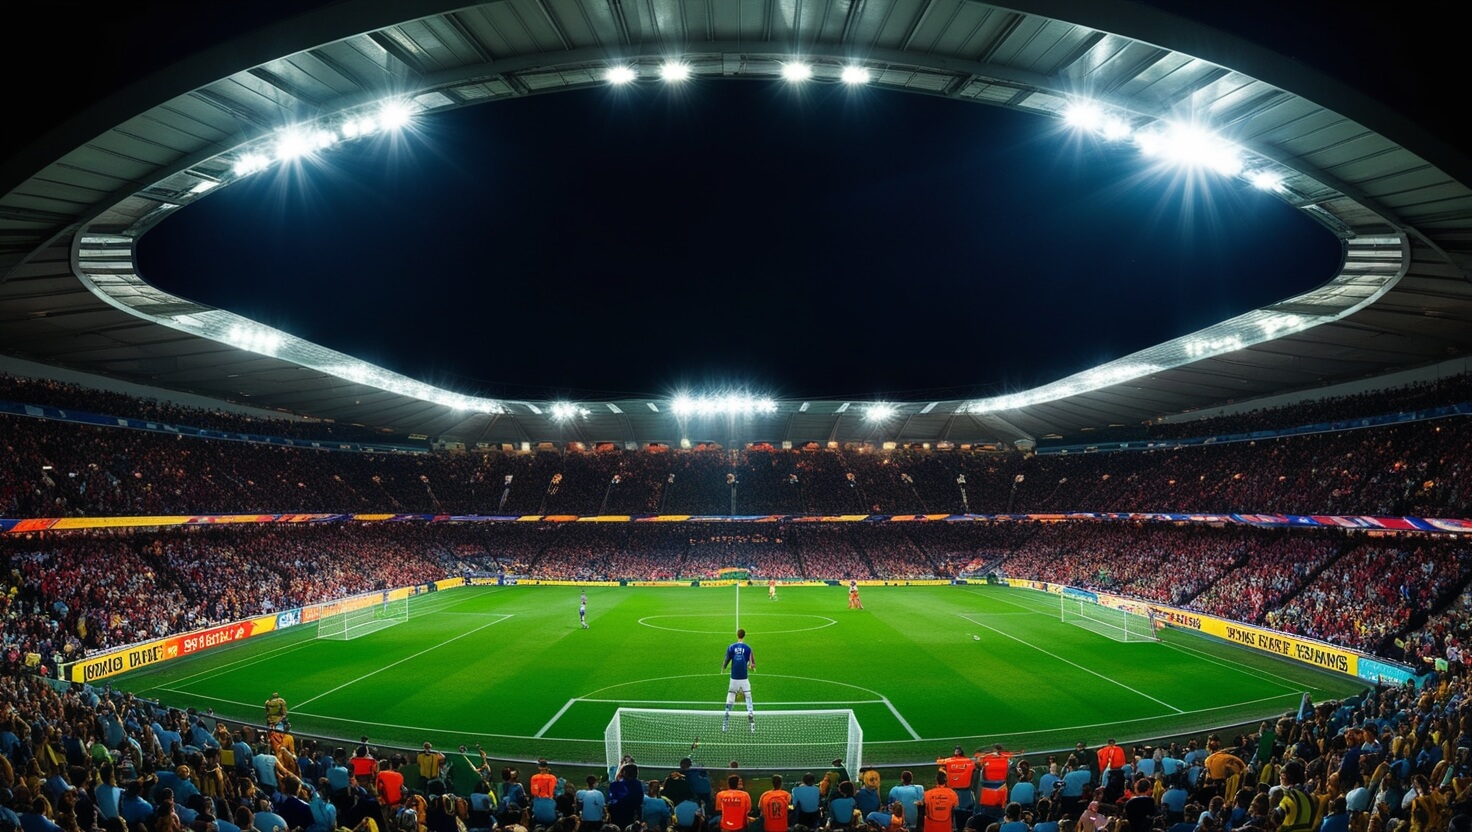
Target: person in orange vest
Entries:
(995, 765)
(734, 805)
(544, 782)
(1111, 756)
(960, 774)
(938, 806)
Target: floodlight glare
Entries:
(674, 71)
(728, 405)
(1191, 146)
(618, 75)
(292, 144)
(797, 71)
(1266, 181)
(855, 75)
(395, 114)
(250, 163)
(563, 411)
(879, 412)
(1084, 115)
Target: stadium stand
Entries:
(68, 594)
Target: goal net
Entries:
(1110, 622)
(782, 739)
(362, 614)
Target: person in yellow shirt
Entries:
(430, 763)
(275, 709)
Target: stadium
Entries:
(250, 576)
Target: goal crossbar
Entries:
(781, 739)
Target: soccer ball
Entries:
(976, 638)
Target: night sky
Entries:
(807, 242)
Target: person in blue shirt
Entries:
(1045, 808)
(592, 806)
(689, 816)
(1075, 780)
(843, 809)
(806, 798)
(583, 610)
(741, 661)
(655, 812)
(908, 795)
(1174, 801)
(133, 808)
(1024, 794)
(1013, 821)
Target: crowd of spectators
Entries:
(69, 592)
(54, 468)
(67, 396)
(77, 758)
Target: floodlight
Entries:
(797, 71)
(293, 143)
(563, 411)
(620, 75)
(855, 75)
(395, 114)
(674, 71)
(1085, 115)
(879, 412)
(1266, 181)
(1191, 146)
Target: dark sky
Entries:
(814, 242)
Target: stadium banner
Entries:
(145, 654)
(1308, 651)
(1379, 524)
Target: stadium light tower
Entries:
(855, 76)
(674, 71)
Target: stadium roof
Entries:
(76, 201)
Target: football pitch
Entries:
(922, 668)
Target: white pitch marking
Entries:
(554, 719)
(401, 661)
(1075, 664)
(893, 710)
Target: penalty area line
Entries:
(1075, 664)
(553, 720)
(304, 702)
(901, 718)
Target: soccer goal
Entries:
(361, 614)
(783, 740)
(1110, 622)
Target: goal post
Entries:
(360, 615)
(1081, 610)
(782, 739)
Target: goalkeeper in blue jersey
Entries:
(741, 661)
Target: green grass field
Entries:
(923, 668)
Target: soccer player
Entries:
(734, 805)
(741, 661)
(771, 589)
(853, 595)
(583, 610)
(775, 805)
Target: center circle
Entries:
(659, 622)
